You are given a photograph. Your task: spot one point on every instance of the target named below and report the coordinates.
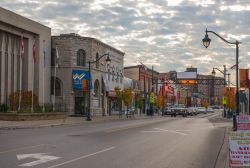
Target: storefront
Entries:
(80, 86)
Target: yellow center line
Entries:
(26, 147)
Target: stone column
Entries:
(3, 70)
(9, 73)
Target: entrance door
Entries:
(80, 106)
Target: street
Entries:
(163, 142)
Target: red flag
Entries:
(21, 47)
(34, 52)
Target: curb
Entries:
(223, 156)
(95, 120)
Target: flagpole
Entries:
(54, 101)
(21, 45)
(33, 74)
(43, 71)
(20, 83)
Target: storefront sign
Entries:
(78, 76)
(239, 147)
(243, 122)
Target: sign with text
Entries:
(243, 122)
(239, 148)
(77, 78)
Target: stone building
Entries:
(74, 54)
(33, 76)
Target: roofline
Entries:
(24, 18)
(94, 39)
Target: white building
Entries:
(12, 28)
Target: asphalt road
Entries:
(165, 142)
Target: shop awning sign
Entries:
(77, 78)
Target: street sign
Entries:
(224, 100)
(243, 122)
(41, 158)
(189, 81)
(239, 146)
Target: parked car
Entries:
(178, 109)
(202, 110)
(210, 110)
(192, 111)
(167, 110)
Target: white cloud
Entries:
(166, 34)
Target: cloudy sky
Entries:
(164, 33)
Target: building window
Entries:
(96, 88)
(53, 56)
(81, 58)
(97, 62)
(58, 86)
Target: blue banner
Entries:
(78, 76)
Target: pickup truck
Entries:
(178, 110)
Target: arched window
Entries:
(58, 86)
(81, 58)
(96, 88)
(97, 62)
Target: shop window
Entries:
(81, 58)
(53, 55)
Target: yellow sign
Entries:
(184, 81)
(152, 97)
(224, 100)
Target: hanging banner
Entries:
(244, 81)
(77, 78)
(239, 147)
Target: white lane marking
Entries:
(41, 158)
(153, 131)
(177, 132)
(83, 157)
(11, 150)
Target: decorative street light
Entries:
(206, 42)
(108, 60)
(225, 83)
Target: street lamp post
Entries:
(206, 42)
(108, 60)
(224, 72)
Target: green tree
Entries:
(138, 101)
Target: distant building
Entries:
(211, 91)
(146, 77)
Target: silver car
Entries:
(202, 110)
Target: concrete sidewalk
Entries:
(223, 156)
(66, 121)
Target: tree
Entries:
(159, 101)
(138, 100)
(127, 96)
(119, 97)
(26, 99)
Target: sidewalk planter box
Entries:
(32, 116)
